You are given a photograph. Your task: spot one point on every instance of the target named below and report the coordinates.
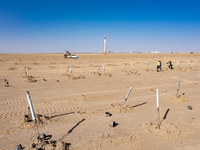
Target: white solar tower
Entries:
(105, 44)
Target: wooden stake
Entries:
(124, 67)
(71, 68)
(179, 80)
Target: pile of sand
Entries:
(12, 68)
(118, 108)
(48, 145)
(102, 74)
(72, 77)
(30, 79)
(133, 72)
(181, 69)
(180, 100)
(166, 129)
(26, 120)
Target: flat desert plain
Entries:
(71, 107)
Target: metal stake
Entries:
(178, 87)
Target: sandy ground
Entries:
(73, 109)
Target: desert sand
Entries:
(71, 107)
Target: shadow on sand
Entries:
(70, 131)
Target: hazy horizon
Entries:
(80, 26)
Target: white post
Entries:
(105, 44)
(27, 71)
(30, 105)
(132, 65)
(188, 62)
(128, 92)
(71, 68)
(67, 68)
(103, 67)
(179, 80)
(157, 98)
(124, 67)
(147, 66)
(197, 63)
(180, 63)
(127, 96)
(32, 113)
(100, 67)
(177, 63)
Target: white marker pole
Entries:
(103, 67)
(188, 62)
(124, 67)
(27, 71)
(127, 96)
(180, 63)
(128, 93)
(32, 112)
(197, 63)
(100, 67)
(177, 63)
(157, 98)
(71, 68)
(30, 105)
(147, 66)
(179, 80)
(132, 65)
(67, 68)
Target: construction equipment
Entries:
(67, 54)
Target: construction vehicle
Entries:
(67, 54)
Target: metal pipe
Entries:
(177, 63)
(27, 71)
(124, 66)
(128, 93)
(67, 68)
(179, 80)
(157, 97)
(100, 66)
(30, 105)
(148, 66)
(197, 63)
(103, 67)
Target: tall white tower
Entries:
(105, 44)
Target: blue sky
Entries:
(47, 26)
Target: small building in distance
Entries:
(155, 52)
(135, 52)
